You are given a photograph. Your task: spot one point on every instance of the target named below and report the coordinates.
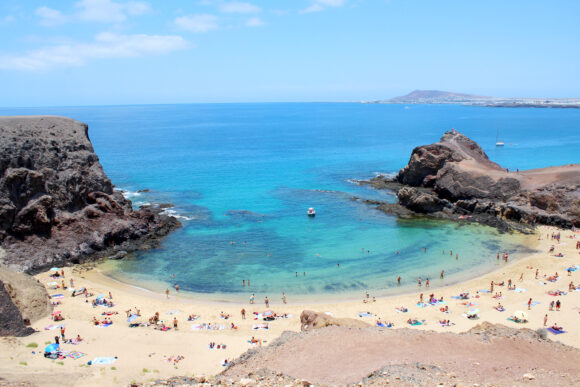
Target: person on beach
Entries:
(110, 296)
(283, 297)
(398, 280)
(243, 282)
(498, 256)
(545, 320)
(491, 287)
(72, 283)
(252, 297)
(558, 305)
(537, 272)
(62, 273)
(421, 298)
(175, 323)
(167, 292)
(248, 282)
(427, 283)
(456, 257)
(243, 314)
(442, 274)
(176, 286)
(62, 333)
(529, 304)
(522, 277)
(267, 302)
(551, 307)
(419, 281)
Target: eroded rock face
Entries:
(57, 206)
(11, 321)
(455, 177)
(27, 294)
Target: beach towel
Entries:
(132, 318)
(260, 326)
(534, 303)
(455, 297)
(103, 360)
(416, 323)
(365, 314)
(164, 329)
(173, 312)
(193, 319)
(520, 290)
(421, 304)
(517, 322)
(381, 324)
(76, 355)
(446, 325)
(196, 327)
(555, 331)
(57, 296)
(398, 310)
(101, 325)
(53, 327)
(484, 291)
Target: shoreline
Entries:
(141, 350)
(403, 290)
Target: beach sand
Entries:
(141, 350)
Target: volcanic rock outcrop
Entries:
(454, 177)
(57, 206)
(315, 320)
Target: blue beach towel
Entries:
(365, 314)
(381, 325)
(132, 318)
(103, 360)
(555, 331)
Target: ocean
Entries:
(242, 176)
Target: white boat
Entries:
(497, 141)
(311, 212)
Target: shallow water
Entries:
(246, 173)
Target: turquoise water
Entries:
(246, 173)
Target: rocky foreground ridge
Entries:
(57, 205)
(488, 354)
(454, 177)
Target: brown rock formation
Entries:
(455, 177)
(57, 206)
(315, 320)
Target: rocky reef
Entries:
(454, 178)
(58, 207)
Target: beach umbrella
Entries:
(521, 315)
(56, 312)
(51, 348)
(268, 313)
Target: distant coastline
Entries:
(446, 97)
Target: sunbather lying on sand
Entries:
(556, 327)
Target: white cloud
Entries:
(239, 7)
(255, 22)
(4, 21)
(321, 5)
(105, 45)
(313, 8)
(136, 8)
(50, 17)
(197, 23)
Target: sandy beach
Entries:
(144, 353)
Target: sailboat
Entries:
(497, 141)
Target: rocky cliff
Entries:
(57, 206)
(454, 177)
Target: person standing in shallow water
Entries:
(267, 302)
(399, 280)
(283, 297)
(442, 273)
(167, 292)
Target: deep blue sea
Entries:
(242, 176)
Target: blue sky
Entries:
(94, 52)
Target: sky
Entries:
(109, 52)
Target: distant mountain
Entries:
(435, 96)
(448, 97)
